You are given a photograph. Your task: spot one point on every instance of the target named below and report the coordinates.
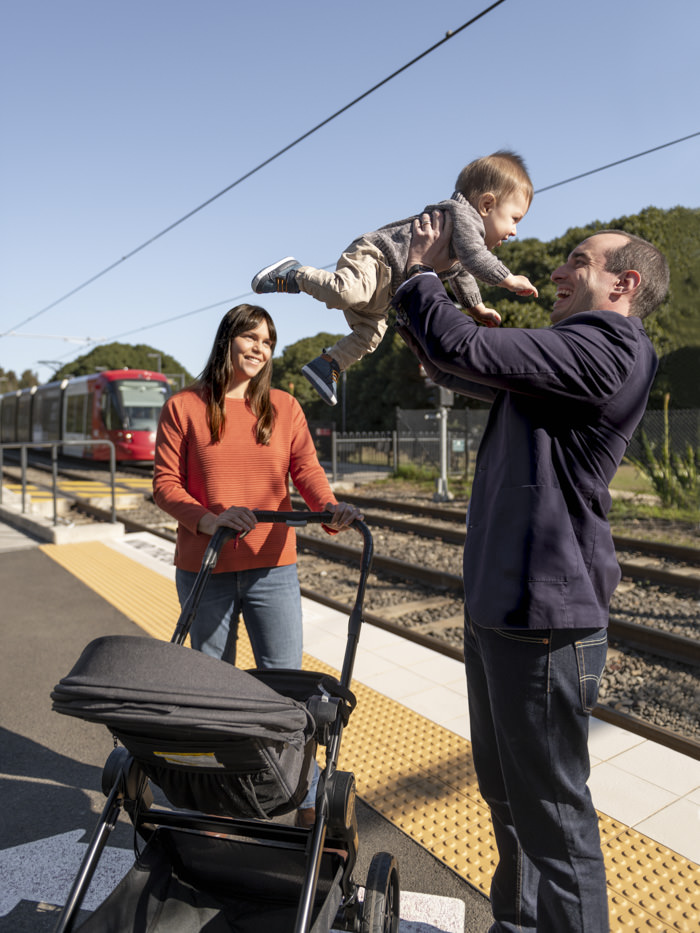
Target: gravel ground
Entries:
(661, 691)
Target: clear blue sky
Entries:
(118, 119)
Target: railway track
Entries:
(664, 644)
(425, 589)
(437, 593)
(657, 562)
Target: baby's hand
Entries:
(485, 315)
(520, 284)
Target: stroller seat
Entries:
(213, 737)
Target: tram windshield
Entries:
(140, 402)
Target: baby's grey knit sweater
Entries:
(476, 261)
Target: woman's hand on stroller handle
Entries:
(344, 515)
(239, 519)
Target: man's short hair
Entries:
(649, 262)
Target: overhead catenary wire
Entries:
(449, 35)
(602, 168)
(230, 301)
(557, 184)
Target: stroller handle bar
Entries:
(295, 519)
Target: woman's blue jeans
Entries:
(269, 599)
(531, 693)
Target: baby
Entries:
(493, 195)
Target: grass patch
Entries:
(629, 479)
(629, 509)
(631, 515)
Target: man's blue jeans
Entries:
(531, 693)
(269, 599)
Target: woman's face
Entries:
(250, 351)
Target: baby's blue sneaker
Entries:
(323, 376)
(279, 277)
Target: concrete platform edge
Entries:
(44, 529)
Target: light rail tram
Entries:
(121, 405)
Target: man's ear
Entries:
(628, 282)
(486, 203)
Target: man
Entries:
(539, 561)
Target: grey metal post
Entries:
(54, 481)
(112, 470)
(23, 462)
(334, 455)
(395, 450)
(343, 383)
(441, 492)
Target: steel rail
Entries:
(641, 634)
(660, 735)
(683, 553)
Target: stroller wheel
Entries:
(380, 911)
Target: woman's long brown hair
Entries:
(216, 375)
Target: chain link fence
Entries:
(416, 440)
(683, 431)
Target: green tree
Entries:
(389, 377)
(122, 356)
(677, 378)
(374, 387)
(10, 381)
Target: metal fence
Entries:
(417, 442)
(54, 447)
(683, 431)
(418, 432)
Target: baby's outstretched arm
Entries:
(485, 315)
(520, 284)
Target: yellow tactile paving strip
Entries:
(145, 597)
(83, 489)
(418, 775)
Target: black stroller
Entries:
(230, 750)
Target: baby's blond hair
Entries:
(502, 173)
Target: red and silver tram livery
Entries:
(122, 405)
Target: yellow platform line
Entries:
(143, 596)
(417, 774)
(38, 493)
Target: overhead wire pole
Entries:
(451, 33)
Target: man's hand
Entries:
(520, 284)
(430, 242)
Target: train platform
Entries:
(408, 746)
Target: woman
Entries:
(225, 446)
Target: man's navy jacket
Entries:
(565, 402)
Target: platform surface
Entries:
(408, 746)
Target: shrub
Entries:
(674, 476)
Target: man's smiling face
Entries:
(583, 282)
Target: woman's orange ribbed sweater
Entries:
(192, 476)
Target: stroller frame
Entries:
(329, 848)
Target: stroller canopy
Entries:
(138, 684)
(211, 736)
